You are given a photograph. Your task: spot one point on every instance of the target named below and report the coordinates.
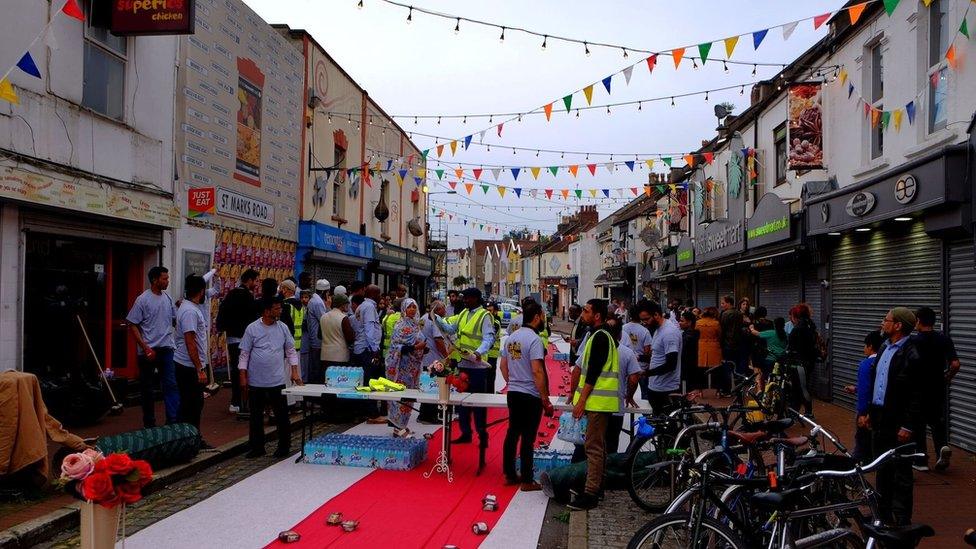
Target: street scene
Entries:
(555, 274)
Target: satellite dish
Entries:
(721, 111)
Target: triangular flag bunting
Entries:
(592, 168)
(629, 164)
(650, 163)
(477, 173)
(634, 190)
(481, 136)
(850, 90)
(855, 11)
(548, 109)
(496, 173)
(534, 192)
(453, 147)
(568, 101)
(842, 76)
(485, 189)
(465, 220)
(885, 119)
(50, 40)
(951, 56)
(757, 38)
(606, 83)
(677, 55)
(703, 50)
(588, 93)
(548, 193)
(440, 173)
(897, 119)
(573, 169)
(820, 20)
(418, 181)
(518, 192)
(424, 152)
(630, 70)
(579, 193)
(72, 9)
(440, 150)
(889, 6)
(690, 159)
(964, 28)
(403, 174)
(709, 157)
(500, 129)
(788, 29)
(565, 193)
(515, 172)
(467, 142)
(27, 65)
(651, 61)
(867, 109)
(592, 192)
(910, 111)
(666, 160)
(452, 185)
(610, 166)
(730, 43)
(554, 170)
(468, 187)
(459, 173)
(535, 172)
(875, 117)
(606, 193)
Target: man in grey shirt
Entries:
(266, 345)
(366, 349)
(191, 356)
(151, 324)
(311, 334)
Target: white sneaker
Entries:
(945, 453)
(920, 468)
(234, 409)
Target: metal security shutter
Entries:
(335, 274)
(706, 292)
(726, 286)
(962, 330)
(813, 296)
(91, 228)
(779, 289)
(870, 274)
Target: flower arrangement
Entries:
(106, 480)
(458, 380)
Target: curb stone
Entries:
(578, 531)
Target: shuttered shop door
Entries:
(335, 274)
(779, 289)
(813, 296)
(962, 329)
(706, 292)
(726, 286)
(870, 275)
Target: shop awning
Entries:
(391, 267)
(341, 259)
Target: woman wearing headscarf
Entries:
(403, 360)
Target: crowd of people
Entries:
(293, 331)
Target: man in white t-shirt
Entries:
(637, 337)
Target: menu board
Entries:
(240, 102)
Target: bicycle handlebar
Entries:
(894, 453)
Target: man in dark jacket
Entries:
(236, 311)
(895, 403)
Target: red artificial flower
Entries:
(98, 487)
(117, 464)
(144, 470)
(129, 492)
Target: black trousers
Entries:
(372, 409)
(660, 401)
(233, 358)
(257, 398)
(894, 482)
(191, 395)
(477, 383)
(492, 373)
(933, 417)
(524, 414)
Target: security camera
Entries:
(314, 101)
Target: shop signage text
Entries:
(243, 207)
(906, 189)
(720, 239)
(152, 17)
(201, 202)
(330, 239)
(860, 204)
(770, 227)
(390, 253)
(420, 262)
(684, 255)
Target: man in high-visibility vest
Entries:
(597, 396)
(475, 336)
(389, 322)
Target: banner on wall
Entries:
(804, 134)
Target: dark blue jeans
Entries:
(477, 383)
(372, 409)
(163, 364)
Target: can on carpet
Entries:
(350, 525)
(289, 536)
(335, 519)
(480, 528)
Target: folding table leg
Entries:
(305, 425)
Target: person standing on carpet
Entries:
(265, 347)
(597, 396)
(475, 336)
(403, 361)
(523, 367)
(436, 349)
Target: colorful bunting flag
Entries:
(606, 193)
(440, 173)
(867, 109)
(592, 168)
(515, 172)
(535, 172)
(453, 147)
(964, 28)
(634, 190)
(820, 20)
(468, 187)
(573, 169)
(548, 193)
(402, 174)
(709, 157)
(850, 90)
(565, 193)
(481, 136)
(496, 173)
(757, 38)
(951, 56)
(440, 150)
(703, 50)
(910, 111)
(568, 101)
(650, 163)
(579, 193)
(610, 166)
(690, 160)
(897, 119)
(788, 30)
(499, 127)
(592, 193)
(651, 61)
(890, 5)
(606, 83)
(629, 164)
(485, 188)
(842, 76)
(518, 192)
(885, 119)
(855, 11)
(477, 173)
(27, 65)
(534, 192)
(875, 117)
(418, 181)
(424, 152)
(459, 172)
(630, 70)
(554, 170)
(548, 109)
(666, 160)
(467, 142)
(677, 55)
(72, 9)
(452, 185)
(588, 93)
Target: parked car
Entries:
(508, 312)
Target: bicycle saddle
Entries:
(777, 500)
(899, 536)
(772, 426)
(746, 438)
(792, 441)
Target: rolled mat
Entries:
(160, 446)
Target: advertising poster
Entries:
(240, 95)
(805, 128)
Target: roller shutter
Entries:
(726, 286)
(813, 295)
(335, 274)
(962, 329)
(870, 274)
(779, 289)
(705, 290)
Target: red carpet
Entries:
(403, 509)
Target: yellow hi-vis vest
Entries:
(544, 335)
(389, 322)
(605, 396)
(297, 318)
(496, 347)
(470, 326)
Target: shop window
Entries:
(103, 88)
(779, 144)
(877, 99)
(940, 36)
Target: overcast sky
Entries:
(425, 68)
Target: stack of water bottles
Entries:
(397, 454)
(343, 376)
(545, 460)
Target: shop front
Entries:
(389, 266)
(620, 282)
(714, 247)
(774, 257)
(419, 269)
(333, 254)
(901, 239)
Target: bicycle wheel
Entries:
(649, 473)
(674, 531)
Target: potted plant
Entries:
(447, 376)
